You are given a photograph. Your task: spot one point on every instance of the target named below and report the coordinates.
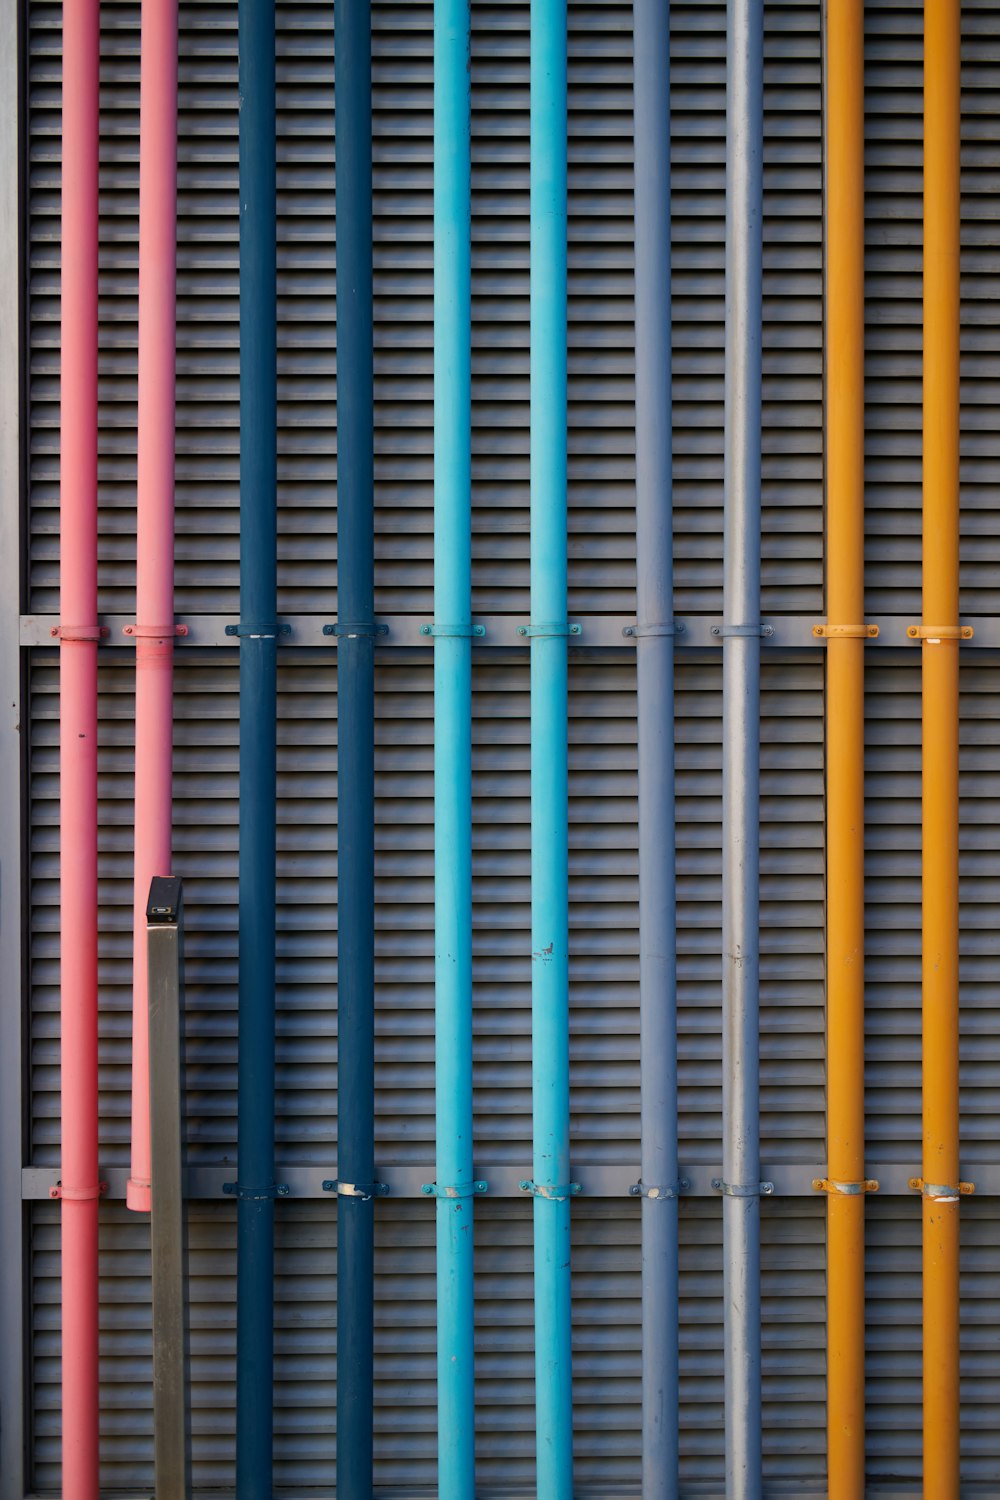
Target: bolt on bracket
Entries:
(941, 1192)
(634, 632)
(363, 1190)
(746, 632)
(555, 1192)
(256, 1194)
(935, 634)
(845, 1189)
(78, 1195)
(640, 1190)
(362, 627)
(264, 632)
(458, 1190)
(845, 632)
(541, 632)
(743, 1189)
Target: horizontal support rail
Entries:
(697, 632)
(596, 1179)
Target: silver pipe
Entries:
(741, 749)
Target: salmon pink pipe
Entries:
(154, 627)
(78, 633)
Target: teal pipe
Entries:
(549, 789)
(453, 745)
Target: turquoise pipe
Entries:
(549, 630)
(453, 745)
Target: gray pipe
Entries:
(655, 689)
(741, 749)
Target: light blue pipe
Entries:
(549, 792)
(453, 746)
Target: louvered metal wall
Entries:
(603, 832)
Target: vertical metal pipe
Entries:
(258, 788)
(941, 1187)
(154, 627)
(79, 635)
(355, 753)
(845, 742)
(453, 745)
(741, 749)
(549, 773)
(655, 691)
(165, 966)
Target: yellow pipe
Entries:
(942, 21)
(845, 749)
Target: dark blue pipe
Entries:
(355, 752)
(258, 714)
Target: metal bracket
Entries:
(454, 632)
(363, 627)
(845, 632)
(78, 1195)
(265, 632)
(635, 632)
(743, 1189)
(366, 1191)
(154, 632)
(459, 1190)
(545, 631)
(79, 632)
(935, 634)
(941, 1192)
(555, 1192)
(743, 631)
(640, 1190)
(845, 1189)
(256, 1194)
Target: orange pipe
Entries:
(845, 749)
(942, 79)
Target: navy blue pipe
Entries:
(258, 712)
(355, 752)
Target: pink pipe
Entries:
(78, 634)
(154, 628)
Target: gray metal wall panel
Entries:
(602, 728)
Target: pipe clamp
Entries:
(362, 627)
(363, 1190)
(555, 1192)
(256, 1194)
(545, 631)
(78, 1195)
(743, 1189)
(154, 632)
(747, 632)
(459, 1190)
(635, 632)
(640, 1190)
(79, 632)
(845, 1189)
(941, 1192)
(454, 632)
(265, 632)
(935, 634)
(845, 632)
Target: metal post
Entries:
(165, 967)
(453, 746)
(741, 749)
(549, 774)
(655, 691)
(258, 783)
(355, 755)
